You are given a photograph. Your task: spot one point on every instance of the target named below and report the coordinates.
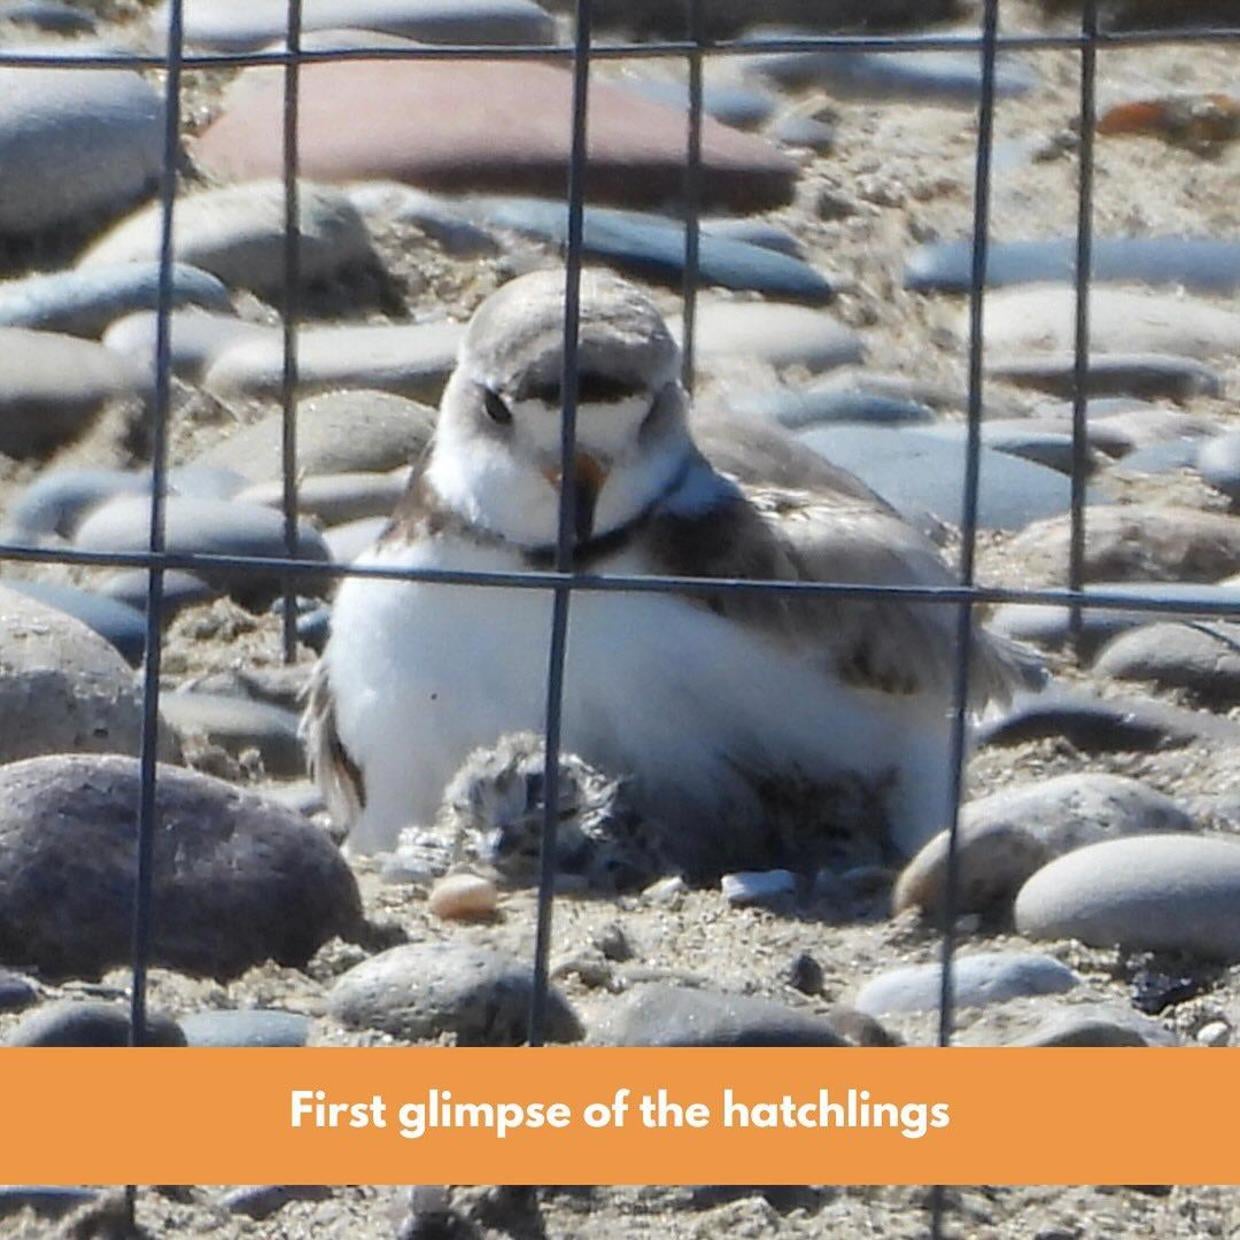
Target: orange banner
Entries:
(601, 1115)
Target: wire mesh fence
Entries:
(563, 581)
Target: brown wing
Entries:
(331, 765)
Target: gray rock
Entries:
(1007, 836)
(776, 333)
(1176, 893)
(196, 338)
(1023, 437)
(237, 233)
(237, 724)
(237, 880)
(1097, 1024)
(260, 1201)
(16, 992)
(48, 15)
(180, 590)
(63, 688)
(660, 1015)
(57, 500)
(1219, 462)
(794, 129)
(83, 303)
(1111, 374)
(338, 432)
(76, 1023)
(1201, 657)
(1164, 457)
(52, 386)
(760, 887)
(735, 104)
(980, 979)
(74, 144)
(334, 499)
(445, 221)
(423, 990)
(45, 1200)
(800, 408)
(411, 360)
(117, 623)
(245, 1027)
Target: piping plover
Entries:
(713, 706)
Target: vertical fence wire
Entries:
(289, 314)
(577, 168)
(693, 199)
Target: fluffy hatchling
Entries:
(756, 728)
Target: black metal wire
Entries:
(577, 169)
(289, 315)
(693, 200)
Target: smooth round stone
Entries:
(237, 724)
(237, 880)
(16, 992)
(346, 542)
(314, 628)
(76, 1023)
(1174, 893)
(260, 1201)
(742, 107)
(919, 474)
(1219, 463)
(424, 990)
(1200, 263)
(662, 1015)
(759, 887)
(1203, 657)
(1097, 1024)
(63, 688)
(653, 246)
(1006, 837)
(49, 15)
(201, 527)
(205, 481)
(52, 386)
(1138, 428)
(806, 131)
(245, 1027)
(412, 360)
(120, 625)
(75, 144)
(335, 499)
(1019, 437)
(444, 221)
(337, 433)
(799, 408)
(237, 233)
(1120, 321)
(463, 897)
(755, 232)
(1134, 542)
(364, 121)
(228, 27)
(180, 590)
(56, 502)
(775, 333)
(83, 303)
(1164, 457)
(977, 980)
(941, 77)
(1111, 374)
(195, 339)
(45, 1200)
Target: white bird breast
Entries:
(655, 687)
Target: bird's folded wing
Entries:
(331, 765)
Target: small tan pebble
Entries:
(463, 897)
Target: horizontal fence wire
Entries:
(563, 580)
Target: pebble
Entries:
(49, 15)
(195, 339)
(236, 233)
(237, 880)
(1021, 437)
(75, 145)
(463, 897)
(1123, 432)
(666, 892)
(76, 1023)
(410, 359)
(337, 432)
(1203, 264)
(314, 628)
(1165, 457)
(421, 991)
(1219, 462)
(180, 590)
(926, 77)
(16, 992)
(776, 333)
(734, 104)
(1097, 1024)
(1111, 374)
(653, 247)
(1120, 321)
(260, 1201)
(1133, 542)
(664, 1015)
(64, 688)
(1201, 657)
(83, 303)
(227, 27)
(245, 1027)
(1214, 1033)
(794, 129)
(443, 220)
(805, 974)
(366, 120)
(1173, 893)
(236, 724)
(117, 623)
(334, 499)
(57, 500)
(922, 474)
(1007, 836)
(772, 888)
(977, 980)
(45, 1200)
(802, 407)
(52, 386)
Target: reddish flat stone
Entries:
(484, 126)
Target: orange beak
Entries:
(588, 479)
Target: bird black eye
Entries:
(497, 411)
